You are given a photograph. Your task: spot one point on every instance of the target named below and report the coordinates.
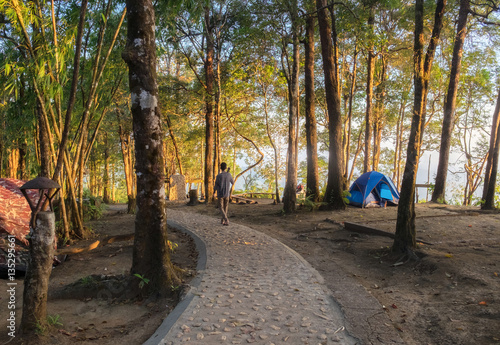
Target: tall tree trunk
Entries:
(23, 148)
(174, 142)
(113, 183)
(438, 195)
(126, 144)
(348, 123)
(72, 94)
(490, 176)
(396, 175)
(369, 95)
(61, 156)
(43, 141)
(217, 148)
(335, 184)
(271, 140)
(209, 116)
(378, 119)
(13, 163)
(405, 237)
(289, 194)
(151, 257)
(312, 183)
(106, 194)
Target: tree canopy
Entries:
(232, 87)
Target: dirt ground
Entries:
(86, 298)
(450, 296)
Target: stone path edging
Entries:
(253, 289)
(175, 314)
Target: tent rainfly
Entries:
(15, 211)
(373, 189)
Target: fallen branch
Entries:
(94, 245)
(372, 231)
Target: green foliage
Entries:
(42, 328)
(308, 202)
(345, 195)
(252, 52)
(87, 281)
(54, 320)
(142, 280)
(92, 206)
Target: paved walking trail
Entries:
(250, 288)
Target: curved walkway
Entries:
(250, 288)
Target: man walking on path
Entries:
(223, 183)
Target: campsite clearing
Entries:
(450, 296)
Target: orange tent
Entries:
(15, 212)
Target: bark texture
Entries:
(43, 140)
(312, 183)
(289, 194)
(36, 282)
(438, 195)
(209, 115)
(151, 258)
(370, 63)
(405, 237)
(334, 188)
(490, 177)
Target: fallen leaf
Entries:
(394, 306)
(449, 255)
(62, 331)
(495, 274)
(483, 303)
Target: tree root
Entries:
(408, 256)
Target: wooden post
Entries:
(36, 282)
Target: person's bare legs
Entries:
(225, 206)
(223, 209)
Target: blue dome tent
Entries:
(373, 188)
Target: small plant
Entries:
(143, 280)
(310, 204)
(64, 241)
(87, 281)
(54, 320)
(431, 188)
(172, 246)
(345, 196)
(174, 287)
(41, 328)
(92, 206)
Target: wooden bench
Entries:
(239, 198)
(259, 193)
